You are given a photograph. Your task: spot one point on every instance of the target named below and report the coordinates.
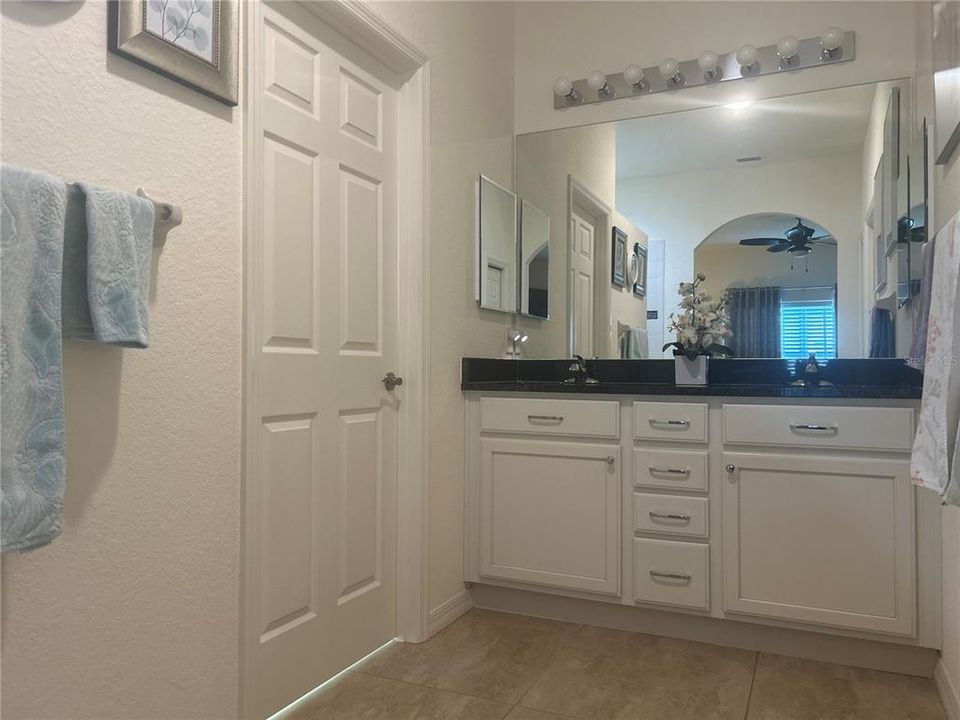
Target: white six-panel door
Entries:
(581, 284)
(324, 462)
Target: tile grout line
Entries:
(753, 679)
(510, 706)
(546, 666)
(428, 687)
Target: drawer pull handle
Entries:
(671, 576)
(673, 423)
(669, 471)
(670, 516)
(814, 428)
(545, 418)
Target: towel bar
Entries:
(168, 215)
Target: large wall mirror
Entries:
(806, 211)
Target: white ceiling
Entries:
(759, 225)
(779, 129)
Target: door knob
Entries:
(390, 381)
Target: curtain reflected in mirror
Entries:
(754, 321)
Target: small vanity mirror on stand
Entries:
(496, 284)
(534, 261)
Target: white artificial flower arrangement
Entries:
(702, 325)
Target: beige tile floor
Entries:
(495, 666)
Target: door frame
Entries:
(360, 25)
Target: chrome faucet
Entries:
(808, 371)
(579, 371)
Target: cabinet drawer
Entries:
(582, 418)
(671, 573)
(818, 426)
(674, 469)
(671, 514)
(681, 422)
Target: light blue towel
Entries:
(75, 263)
(106, 261)
(32, 207)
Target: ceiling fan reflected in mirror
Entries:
(797, 240)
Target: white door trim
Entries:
(367, 30)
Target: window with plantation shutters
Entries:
(808, 323)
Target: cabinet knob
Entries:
(611, 461)
(731, 468)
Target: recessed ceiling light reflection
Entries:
(739, 105)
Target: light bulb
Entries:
(669, 69)
(633, 74)
(747, 56)
(596, 80)
(787, 47)
(563, 86)
(708, 63)
(832, 38)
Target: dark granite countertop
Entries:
(853, 379)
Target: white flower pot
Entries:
(690, 372)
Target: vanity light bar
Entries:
(767, 60)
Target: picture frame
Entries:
(618, 258)
(194, 42)
(946, 78)
(640, 285)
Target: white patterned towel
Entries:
(940, 407)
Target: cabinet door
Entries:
(550, 513)
(823, 540)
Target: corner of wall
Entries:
(948, 691)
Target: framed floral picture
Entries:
(640, 284)
(618, 257)
(194, 42)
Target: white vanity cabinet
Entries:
(816, 539)
(793, 513)
(548, 510)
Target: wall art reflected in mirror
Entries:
(800, 209)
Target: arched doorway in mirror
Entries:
(779, 273)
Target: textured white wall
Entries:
(573, 38)
(470, 46)
(133, 611)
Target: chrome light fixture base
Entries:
(809, 54)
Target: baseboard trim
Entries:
(857, 652)
(948, 692)
(448, 611)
